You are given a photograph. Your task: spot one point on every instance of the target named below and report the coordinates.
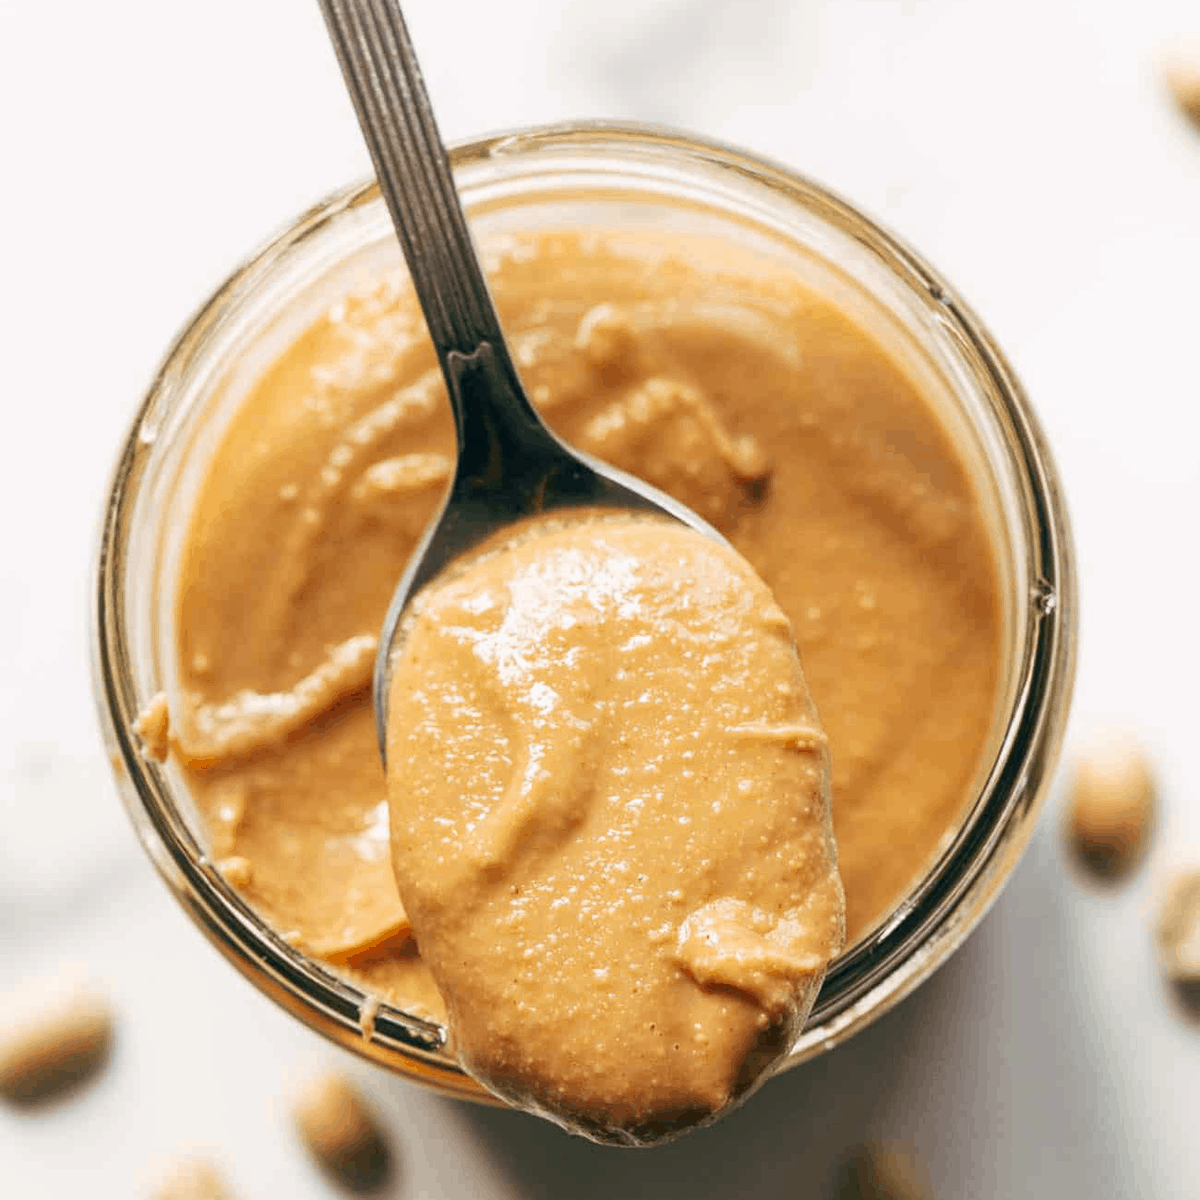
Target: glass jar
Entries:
(601, 175)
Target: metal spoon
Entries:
(510, 466)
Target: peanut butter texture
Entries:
(730, 385)
(610, 820)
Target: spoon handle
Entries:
(384, 81)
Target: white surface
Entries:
(1025, 147)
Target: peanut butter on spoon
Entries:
(611, 822)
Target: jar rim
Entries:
(864, 982)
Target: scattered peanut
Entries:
(1111, 805)
(192, 1179)
(53, 1035)
(340, 1131)
(1180, 64)
(881, 1172)
(1177, 936)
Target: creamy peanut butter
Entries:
(710, 374)
(610, 820)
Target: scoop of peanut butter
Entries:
(610, 817)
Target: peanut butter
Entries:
(710, 374)
(610, 820)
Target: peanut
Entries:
(1111, 806)
(1177, 938)
(1180, 65)
(192, 1179)
(881, 1172)
(55, 1035)
(341, 1133)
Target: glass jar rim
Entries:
(936, 914)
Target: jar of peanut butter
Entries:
(720, 326)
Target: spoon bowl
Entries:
(510, 465)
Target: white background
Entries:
(1026, 147)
